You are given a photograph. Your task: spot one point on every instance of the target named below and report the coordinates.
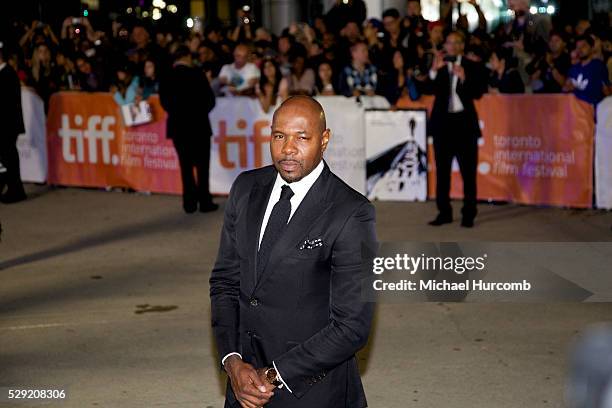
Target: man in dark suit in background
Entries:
(457, 81)
(287, 310)
(11, 120)
(186, 96)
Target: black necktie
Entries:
(451, 101)
(276, 224)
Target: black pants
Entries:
(194, 154)
(9, 157)
(456, 140)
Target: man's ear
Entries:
(325, 139)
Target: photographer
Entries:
(243, 32)
(454, 125)
(38, 33)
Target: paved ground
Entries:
(77, 266)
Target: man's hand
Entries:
(250, 389)
(438, 61)
(569, 86)
(459, 72)
(519, 45)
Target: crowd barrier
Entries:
(32, 145)
(603, 155)
(536, 149)
(89, 145)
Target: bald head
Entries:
(305, 105)
(241, 54)
(299, 137)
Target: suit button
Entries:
(254, 302)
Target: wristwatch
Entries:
(272, 377)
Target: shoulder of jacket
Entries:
(345, 196)
(249, 177)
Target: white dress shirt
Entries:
(457, 105)
(300, 188)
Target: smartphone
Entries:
(76, 20)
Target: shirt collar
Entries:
(301, 187)
(457, 61)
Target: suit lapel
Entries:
(311, 208)
(258, 201)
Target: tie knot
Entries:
(286, 192)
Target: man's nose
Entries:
(289, 147)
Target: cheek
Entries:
(275, 148)
(308, 153)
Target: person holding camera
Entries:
(456, 83)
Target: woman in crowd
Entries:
(66, 72)
(285, 48)
(373, 33)
(325, 80)
(149, 82)
(272, 85)
(126, 88)
(42, 73)
(398, 83)
(302, 79)
(90, 79)
(505, 77)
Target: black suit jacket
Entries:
(305, 312)
(11, 115)
(472, 88)
(185, 94)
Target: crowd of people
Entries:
(339, 53)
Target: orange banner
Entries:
(535, 149)
(89, 145)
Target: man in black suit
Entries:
(287, 310)
(11, 118)
(456, 81)
(186, 96)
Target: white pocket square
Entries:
(311, 243)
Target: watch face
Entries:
(271, 375)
